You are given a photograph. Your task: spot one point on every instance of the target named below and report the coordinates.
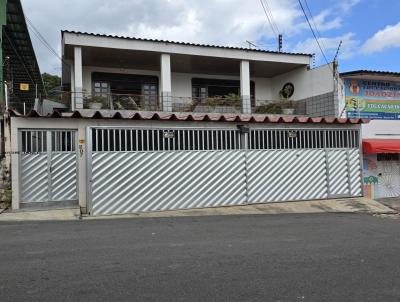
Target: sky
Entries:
(369, 29)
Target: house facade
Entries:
(150, 125)
(111, 72)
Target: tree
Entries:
(50, 81)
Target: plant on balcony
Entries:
(271, 108)
(285, 93)
(127, 102)
(287, 107)
(95, 102)
(230, 99)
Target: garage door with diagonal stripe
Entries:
(158, 169)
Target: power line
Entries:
(271, 15)
(315, 25)
(40, 37)
(268, 18)
(312, 30)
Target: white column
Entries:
(245, 86)
(72, 87)
(12, 144)
(83, 145)
(165, 83)
(78, 93)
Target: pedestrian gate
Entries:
(139, 169)
(48, 165)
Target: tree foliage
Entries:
(50, 81)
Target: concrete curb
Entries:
(346, 205)
(41, 215)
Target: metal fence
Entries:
(303, 139)
(123, 140)
(139, 169)
(48, 165)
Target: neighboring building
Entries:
(20, 78)
(19, 69)
(375, 95)
(156, 125)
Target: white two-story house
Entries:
(149, 125)
(111, 72)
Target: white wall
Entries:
(307, 83)
(381, 129)
(81, 125)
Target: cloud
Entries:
(223, 22)
(346, 6)
(329, 45)
(386, 38)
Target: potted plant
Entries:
(287, 108)
(96, 102)
(285, 93)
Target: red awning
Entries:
(371, 146)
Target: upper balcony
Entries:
(231, 103)
(117, 73)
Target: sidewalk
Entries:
(41, 215)
(391, 202)
(348, 205)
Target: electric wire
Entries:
(312, 30)
(40, 37)
(271, 15)
(268, 18)
(315, 25)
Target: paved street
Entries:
(317, 257)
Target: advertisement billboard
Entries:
(372, 99)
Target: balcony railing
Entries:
(231, 104)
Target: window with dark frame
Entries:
(101, 89)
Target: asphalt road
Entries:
(318, 257)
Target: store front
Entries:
(375, 95)
(381, 168)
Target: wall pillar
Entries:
(78, 83)
(165, 83)
(72, 87)
(245, 86)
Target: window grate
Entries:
(63, 141)
(137, 140)
(33, 141)
(302, 139)
(123, 140)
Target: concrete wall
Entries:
(307, 82)
(81, 125)
(381, 129)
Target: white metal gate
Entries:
(48, 165)
(135, 170)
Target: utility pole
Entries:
(280, 42)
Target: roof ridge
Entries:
(183, 43)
